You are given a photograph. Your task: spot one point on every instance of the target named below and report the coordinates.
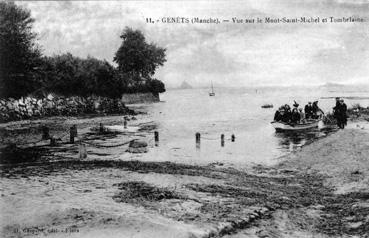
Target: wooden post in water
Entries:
(198, 139)
(156, 136)
(72, 133)
(45, 133)
(125, 123)
(101, 128)
(222, 140)
(233, 138)
(82, 151)
(52, 141)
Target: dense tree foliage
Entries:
(19, 53)
(138, 59)
(23, 70)
(69, 75)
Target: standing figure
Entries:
(341, 114)
(337, 101)
(336, 108)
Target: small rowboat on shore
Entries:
(282, 126)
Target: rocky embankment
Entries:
(29, 108)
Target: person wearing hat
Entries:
(295, 115)
(337, 101)
(336, 108)
(309, 110)
(295, 104)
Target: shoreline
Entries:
(160, 199)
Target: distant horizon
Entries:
(329, 84)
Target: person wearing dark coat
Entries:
(309, 110)
(277, 115)
(286, 117)
(336, 108)
(316, 110)
(344, 112)
(295, 115)
(338, 101)
(341, 114)
(287, 113)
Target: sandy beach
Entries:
(317, 191)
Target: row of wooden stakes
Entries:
(222, 139)
(73, 132)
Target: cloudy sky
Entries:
(228, 54)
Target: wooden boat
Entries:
(282, 126)
(212, 90)
(267, 106)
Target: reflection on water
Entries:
(293, 140)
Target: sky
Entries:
(234, 55)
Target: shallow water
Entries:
(45, 198)
(182, 113)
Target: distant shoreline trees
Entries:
(24, 71)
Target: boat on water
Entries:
(283, 126)
(212, 93)
(267, 106)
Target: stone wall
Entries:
(140, 98)
(27, 108)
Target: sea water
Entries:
(183, 113)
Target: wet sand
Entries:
(342, 161)
(319, 191)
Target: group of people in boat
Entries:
(297, 115)
(311, 112)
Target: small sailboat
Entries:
(212, 90)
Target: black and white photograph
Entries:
(184, 118)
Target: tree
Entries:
(62, 76)
(99, 78)
(70, 76)
(19, 54)
(137, 59)
(156, 86)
